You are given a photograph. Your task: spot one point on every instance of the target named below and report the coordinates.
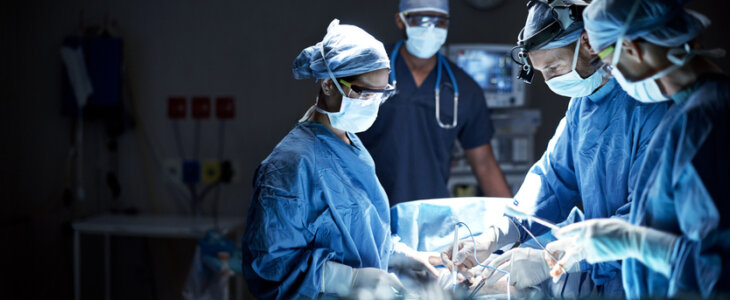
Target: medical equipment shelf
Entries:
(513, 147)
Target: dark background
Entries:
(188, 48)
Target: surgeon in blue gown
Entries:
(591, 160)
(319, 220)
(676, 243)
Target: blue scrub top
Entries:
(412, 153)
(315, 199)
(683, 188)
(592, 160)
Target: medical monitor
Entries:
(491, 66)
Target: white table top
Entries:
(164, 226)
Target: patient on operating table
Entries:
(481, 281)
(429, 225)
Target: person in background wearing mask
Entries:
(412, 151)
(591, 160)
(676, 243)
(319, 221)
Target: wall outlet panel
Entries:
(177, 107)
(172, 168)
(211, 171)
(225, 108)
(201, 107)
(191, 171)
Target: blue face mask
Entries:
(355, 115)
(572, 84)
(424, 41)
(647, 90)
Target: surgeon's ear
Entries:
(632, 51)
(327, 86)
(399, 22)
(585, 44)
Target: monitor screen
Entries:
(493, 70)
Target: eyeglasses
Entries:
(419, 19)
(369, 94)
(605, 52)
(598, 61)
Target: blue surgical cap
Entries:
(441, 6)
(539, 16)
(348, 51)
(661, 22)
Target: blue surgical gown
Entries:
(683, 188)
(315, 199)
(412, 152)
(594, 155)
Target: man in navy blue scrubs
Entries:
(412, 151)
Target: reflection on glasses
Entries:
(426, 20)
(369, 94)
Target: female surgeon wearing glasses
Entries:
(319, 219)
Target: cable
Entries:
(196, 146)
(486, 266)
(520, 215)
(538, 242)
(178, 140)
(221, 146)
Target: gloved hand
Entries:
(343, 280)
(495, 237)
(377, 280)
(569, 263)
(600, 240)
(526, 266)
(417, 265)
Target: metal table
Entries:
(150, 226)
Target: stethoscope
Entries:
(437, 95)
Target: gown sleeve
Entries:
(699, 182)
(650, 118)
(550, 189)
(278, 262)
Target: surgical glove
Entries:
(343, 279)
(376, 279)
(495, 237)
(569, 259)
(600, 240)
(413, 263)
(526, 267)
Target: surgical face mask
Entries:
(572, 84)
(355, 115)
(645, 90)
(424, 41)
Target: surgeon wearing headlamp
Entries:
(591, 159)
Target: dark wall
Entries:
(189, 48)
